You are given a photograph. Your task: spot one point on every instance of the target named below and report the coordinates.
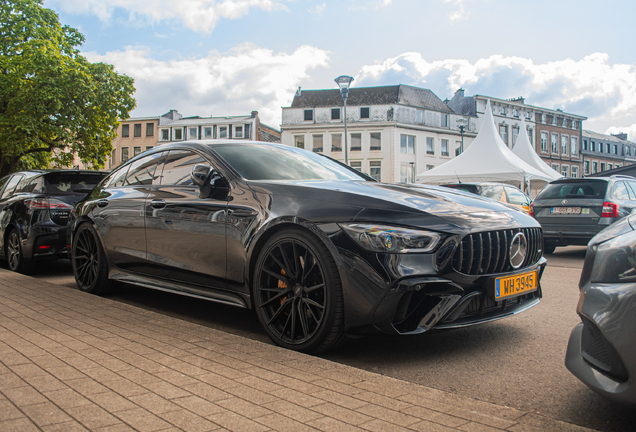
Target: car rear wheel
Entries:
(298, 293)
(15, 258)
(89, 262)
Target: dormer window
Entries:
(528, 116)
(502, 111)
(309, 115)
(365, 112)
(543, 118)
(445, 120)
(554, 120)
(515, 112)
(335, 113)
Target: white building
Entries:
(394, 132)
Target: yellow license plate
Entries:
(515, 285)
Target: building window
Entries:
(375, 170)
(607, 148)
(309, 115)
(515, 112)
(178, 134)
(430, 146)
(136, 151)
(444, 147)
(564, 145)
(543, 118)
(336, 142)
(444, 120)
(584, 144)
(574, 146)
(335, 113)
(565, 122)
(429, 167)
(222, 131)
(609, 166)
(458, 148)
(628, 151)
(137, 130)
(112, 159)
(564, 170)
(615, 149)
(515, 134)
(573, 127)
(207, 132)
(125, 131)
(528, 116)
(555, 144)
(555, 166)
(364, 112)
(192, 133)
(150, 129)
(594, 167)
(419, 116)
(238, 131)
(602, 166)
(299, 141)
(124, 154)
(406, 173)
(575, 171)
(317, 143)
(503, 133)
(502, 111)
(544, 142)
(356, 165)
(592, 145)
(554, 123)
(356, 142)
(376, 141)
(407, 144)
(165, 134)
(148, 148)
(586, 167)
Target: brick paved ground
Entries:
(73, 361)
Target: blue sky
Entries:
(227, 57)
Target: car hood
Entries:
(417, 205)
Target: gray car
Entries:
(601, 351)
(573, 210)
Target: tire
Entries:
(90, 267)
(548, 248)
(13, 252)
(298, 293)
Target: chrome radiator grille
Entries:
(489, 252)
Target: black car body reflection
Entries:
(318, 249)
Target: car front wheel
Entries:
(298, 293)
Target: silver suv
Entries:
(571, 211)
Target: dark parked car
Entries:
(601, 351)
(497, 191)
(571, 211)
(34, 209)
(318, 249)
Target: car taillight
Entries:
(46, 204)
(609, 210)
(531, 212)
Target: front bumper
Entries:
(601, 352)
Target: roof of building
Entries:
(629, 170)
(199, 121)
(605, 137)
(383, 95)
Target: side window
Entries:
(142, 171)
(494, 192)
(3, 182)
(11, 186)
(620, 191)
(516, 197)
(35, 186)
(178, 166)
(117, 177)
(631, 188)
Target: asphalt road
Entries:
(517, 362)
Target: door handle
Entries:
(102, 203)
(158, 203)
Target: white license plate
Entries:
(565, 210)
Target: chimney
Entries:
(621, 135)
(254, 114)
(298, 92)
(460, 91)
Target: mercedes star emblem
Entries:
(564, 202)
(518, 249)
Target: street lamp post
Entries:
(343, 82)
(462, 126)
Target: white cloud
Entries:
(197, 15)
(318, 9)
(592, 87)
(245, 79)
(629, 130)
(457, 14)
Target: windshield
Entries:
(582, 189)
(263, 162)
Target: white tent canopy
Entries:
(524, 150)
(486, 159)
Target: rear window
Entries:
(465, 188)
(71, 184)
(583, 189)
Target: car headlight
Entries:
(615, 260)
(390, 239)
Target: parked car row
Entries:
(320, 251)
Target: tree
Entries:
(54, 103)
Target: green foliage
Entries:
(53, 102)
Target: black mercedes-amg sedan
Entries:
(34, 209)
(318, 249)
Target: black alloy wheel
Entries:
(89, 262)
(13, 252)
(298, 295)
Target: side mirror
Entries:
(201, 173)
